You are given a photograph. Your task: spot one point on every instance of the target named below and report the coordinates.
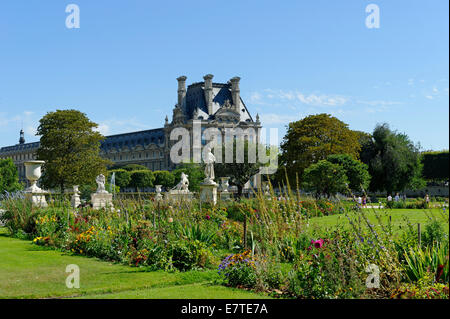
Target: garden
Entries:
(284, 247)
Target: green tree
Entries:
(356, 171)
(435, 165)
(195, 173)
(9, 176)
(164, 178)
(122, 177)
(365, 140)
(142, 179)
(394, 161)
(70, 147)
(239, 173)
(312, 139)
(134, 167)
(325, 178)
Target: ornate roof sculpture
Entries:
(207, 100)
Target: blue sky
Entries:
(295, 58)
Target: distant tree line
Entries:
(435, 165)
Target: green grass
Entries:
(397, 215)
(191, 291)
(29, 271)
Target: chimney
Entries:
(235, 93)
(181, 89)
(208, 92)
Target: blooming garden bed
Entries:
(259, 244)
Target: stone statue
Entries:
(101, 184)
(209, 166)
(183, 184)
(101, 198)
(75, 200)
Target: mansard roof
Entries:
(133, 139)
(20, 147)
(195, 98)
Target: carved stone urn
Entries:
(33, 173)
(224, 185)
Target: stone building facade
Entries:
(205, 103)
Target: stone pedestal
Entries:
(34, 193)
(36, 199)
(178, 195)
(225, 196)
(75, 200)
(208, 193)
(101, 200)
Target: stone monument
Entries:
(34, 193)
(224, 192)
(101, 198)
(208, 189)
(75, 200)
(180, 192)
(158, 192)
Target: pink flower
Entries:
(317, 243)
(208, 217)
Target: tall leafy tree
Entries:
(325, 178)
(239, 172)
(313, 139)
(394, 161)
(70, 147)
(357, 172)
(9, 176)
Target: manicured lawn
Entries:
(29, 271)
(397, 215)
(191, 291)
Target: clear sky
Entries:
(295, 58)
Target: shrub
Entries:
(239, 270)
(142, 179)
(434, 233)
(19, 216)
(434, 260)
(424, 288)
(186, 256)
(164, 178)
(122, 176)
